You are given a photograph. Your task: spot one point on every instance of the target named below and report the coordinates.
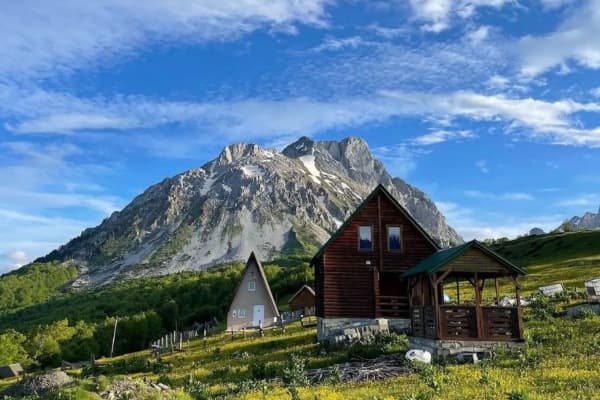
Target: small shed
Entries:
(10, 371)
(303, 299)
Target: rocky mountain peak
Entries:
(236, 152)
(301, 147)
(247, 199)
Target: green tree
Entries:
(11, 348)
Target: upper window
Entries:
(251, 286)
(242, 313)
(365, 240)
(394, 238)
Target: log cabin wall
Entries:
(346, 286)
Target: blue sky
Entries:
(491, 107)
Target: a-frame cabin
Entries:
(253, 304)
(358, 271)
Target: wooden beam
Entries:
(515, 281)
(519, 310)
(443, 276)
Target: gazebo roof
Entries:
(441, 258)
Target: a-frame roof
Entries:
(438, 260)
(263, 277)
(380, 189)
(304, 287)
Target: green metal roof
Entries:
(379, 189)
(438, 260)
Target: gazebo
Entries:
(471, 325)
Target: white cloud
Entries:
(438, 14)
(400, 160)
(256, 117)
(58, 37)
(388, 33)
(483, 167)
(471, 224)
(581, 200)
(440, 136)
(513, 196)
(575, 39)
(595, 92)
(549, 120)
(334, 44)
(498, 82)
(16, 258)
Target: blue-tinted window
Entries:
(365, 241)
(394, 238)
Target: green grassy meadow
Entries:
(562, 360)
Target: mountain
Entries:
(588, 221)
(248, 198)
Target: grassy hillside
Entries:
(562, 360)
(569, 258)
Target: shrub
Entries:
(517, 396)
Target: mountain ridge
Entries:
(247, 198)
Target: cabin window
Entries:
(365, 240)
(394, 238)
(252, 286)
(234, 313)
(242, 313)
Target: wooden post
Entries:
(438, 330)
(457, 292)
(497, 292)
(519, 310)
(478, 313)
(112, 346)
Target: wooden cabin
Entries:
(304, 300)
(375, 272)
(253, 304)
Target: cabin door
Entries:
(258, 315)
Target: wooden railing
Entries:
(500, 323)
(458, 322)
(392, 306)
(423, 321)
(461, 322)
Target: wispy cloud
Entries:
(471, 224)
(440, 136)
(483, 167)
(576, 39)
(438, 15)
(581, 200)
(513, 196)
(48, 37)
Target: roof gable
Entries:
(253, 261)
(302, 289)
(438, 260)
(380, 189)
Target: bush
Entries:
(376, 345)
(517, 396)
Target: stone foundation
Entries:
(343, 331)
(446, 348)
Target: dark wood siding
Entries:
(304, 299)
(475, 260)
(347, 279)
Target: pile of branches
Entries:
(383, 367)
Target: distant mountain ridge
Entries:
(248, 198)
(588, 221)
